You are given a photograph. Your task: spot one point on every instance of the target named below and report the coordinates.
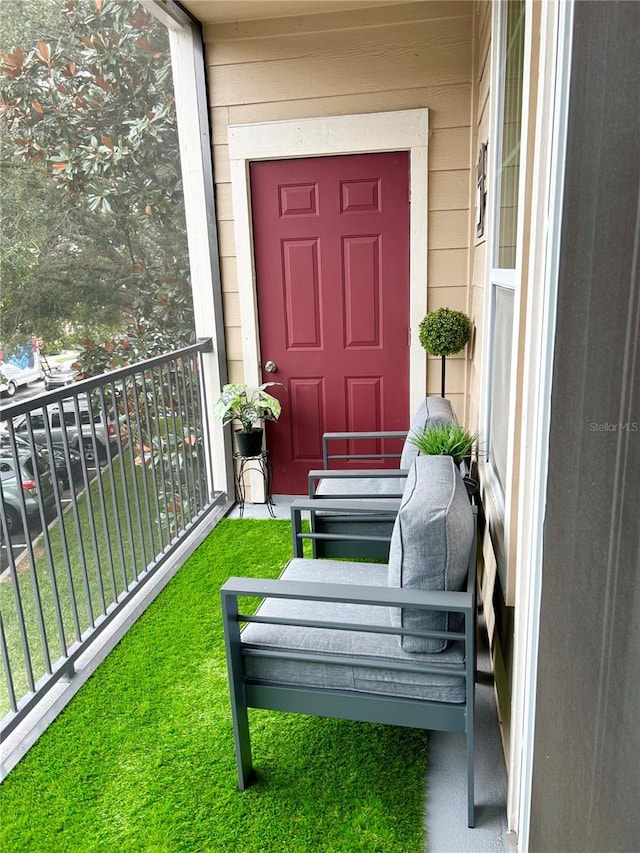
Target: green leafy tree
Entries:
(56, 274)
(26, 21)
(94, 112)
(94, 227)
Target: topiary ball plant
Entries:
(444, 332)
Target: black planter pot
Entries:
(472, 486)
(249, 443)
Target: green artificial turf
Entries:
(142, 759)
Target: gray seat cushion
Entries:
(358, 648)
(430, 545)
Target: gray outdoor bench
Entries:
(363, 641)
(352, 483)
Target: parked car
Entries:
(60, 464)
(61, 375)
(59, 458)
(62, 419)
(13, 377)
(24, 480)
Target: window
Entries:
(501, 380)
(512, 72)
(504, 273)
(27, 467)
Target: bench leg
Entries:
(470, 734)
(470, 781)
(471, 674)
(239, 715)
(242, 740)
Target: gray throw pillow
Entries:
(430, 545)
(432, 410)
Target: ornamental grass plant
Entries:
(444, 440)
(142, 759)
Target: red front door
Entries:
(331, 238)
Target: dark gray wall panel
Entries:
(586, 782)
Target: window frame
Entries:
(498, 501)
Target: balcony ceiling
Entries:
(219, 11)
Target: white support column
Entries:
(197, 179)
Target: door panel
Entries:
(300, 276)
(360, 267)
(308, 406)
(331, 241)
(364, 405)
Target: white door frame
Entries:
(403, 130)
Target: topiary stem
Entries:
(444, 361)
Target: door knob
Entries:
(271, 367)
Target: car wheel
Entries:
(11, 389)
(13, 520)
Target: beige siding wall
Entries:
(381, 59)
(480, 134)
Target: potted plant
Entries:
(250, 406)
(444, 440)
(448, 440)
(444, 332)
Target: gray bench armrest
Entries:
(373, 508)
(333, 436)
(350, 473)
(356, 436)
(383, 596)
(371, 505)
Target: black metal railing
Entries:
(101, 481)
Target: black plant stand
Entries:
(260, 463)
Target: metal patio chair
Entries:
(365, 641)
(357, 483)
